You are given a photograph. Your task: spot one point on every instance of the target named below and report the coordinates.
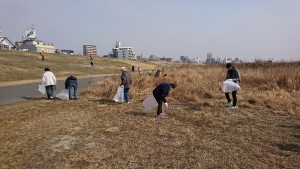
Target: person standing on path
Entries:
(49, 80)
(126, 81)
(71, 82)
(234, 74)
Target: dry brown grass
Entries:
(95, 132)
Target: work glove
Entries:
(166, 104)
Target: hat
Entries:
(123, 68)
(228, 65)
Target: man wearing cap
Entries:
(126, 81)
(234, 74)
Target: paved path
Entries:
(23, 92)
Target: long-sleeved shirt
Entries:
(233, 74)
(162, 91)
(49, 78)
(126, 79)
(70, 80)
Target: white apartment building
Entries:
(122, 52)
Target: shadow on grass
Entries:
(137, 113)
(288, 147)
(105, 101)
(194, 106)
(296, 136)
(33, 98)
(297, 126)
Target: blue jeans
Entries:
(126, 95)
(74, 86)
(50, 91)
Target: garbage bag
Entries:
(42, 89)
(149, 103)
(230, 86)
(119, 97)
(63, 94)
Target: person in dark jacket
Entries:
(234, 74)
(126, 81)
(71, 82)
(160, 93)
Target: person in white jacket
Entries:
(49, 81)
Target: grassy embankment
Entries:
(20, 67)
(199, 132)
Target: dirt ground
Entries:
(98, 133)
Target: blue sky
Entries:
(248, 29)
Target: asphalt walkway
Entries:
(10, 94)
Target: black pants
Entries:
(233, 97)
(159, 107)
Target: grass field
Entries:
(199, 132)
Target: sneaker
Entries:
(128, 102)
(161, 115)
(232, 107)
(51, 97)
(227, 104)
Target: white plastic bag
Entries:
(230, 86)
(119, 97)
(64, 94)
(42, 89)
(149, 103)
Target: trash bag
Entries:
(119, 97)
(42, 89)
(230, 86)
(63, 94)
(149, 103)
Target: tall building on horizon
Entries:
(209, 56)
(89, 50)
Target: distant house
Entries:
(64, 51)
(5, 43)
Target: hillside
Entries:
(20, 67)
